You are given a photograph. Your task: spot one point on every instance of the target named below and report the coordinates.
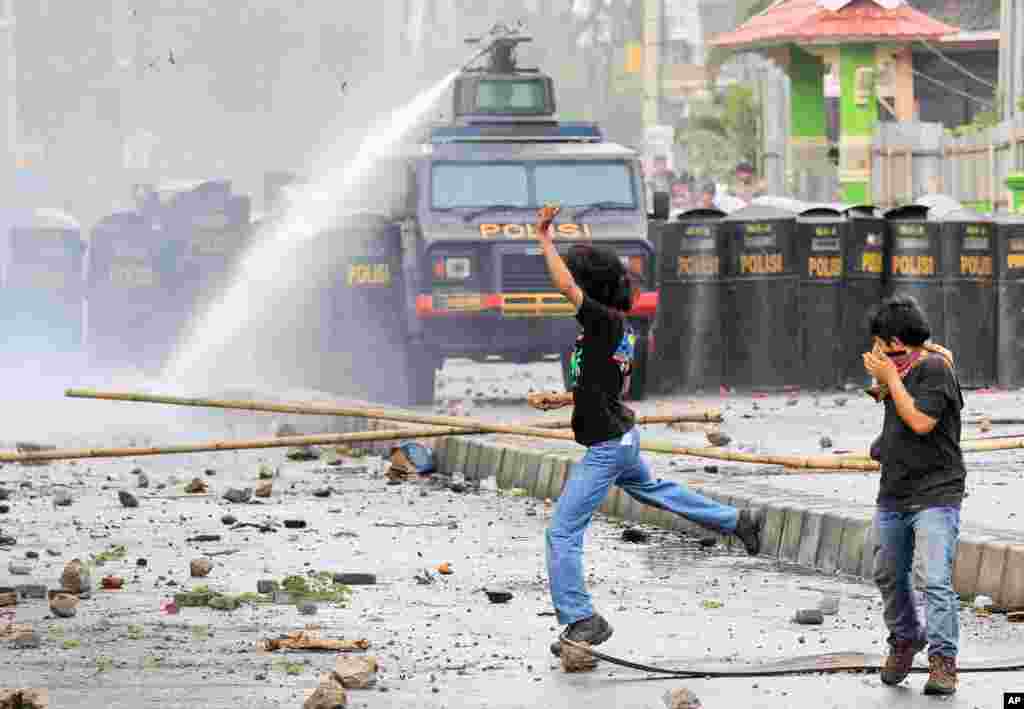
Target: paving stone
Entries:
(851, 552)
(831, 542)
(789, 549)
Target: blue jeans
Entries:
(616, 462)
(933, 533)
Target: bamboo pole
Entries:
(710, 416)
(326, 439)
(471, 425)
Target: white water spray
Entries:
(307, 216)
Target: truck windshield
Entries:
(530, 185)
(510, 96)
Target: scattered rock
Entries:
(458, 488)
(53, 552)
(127, 499)
(143, 480)
(355, 579)
(264, 489)
(356, 671)
(635, 536)
(31, 590)
(303, 453)
(717, 438)
(228, 519)
(295, 524)
(710, 468)
(498, 595)
(61, 497)
(198, 485)
(267, 586)
(840, 401)
(681, 698)
(200, 567)
(577, 660)
(204, 538)
(209, 472)
(141, 563)
(4, 509)
(825, 442)
(322, 492)
(809, 616)
(7, 541)
(237, 496)
(31, 554)
(424, 577)
(75, 578)
(708, 542)
(27, 641)
(792, 402)
(4, 493)
(330, 694)
(64, 605)
(17, 568)
(112, 583)
(307, 608)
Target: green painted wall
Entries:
(854, 119)
(856, 125)
(807, 94)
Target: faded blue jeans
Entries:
(616, 462)
(933, 533)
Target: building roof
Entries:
(834, 22)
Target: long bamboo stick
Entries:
(805, 462)
(710, 416)
(326, 439)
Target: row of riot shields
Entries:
(124, 293)
(778, 295)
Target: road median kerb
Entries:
(813, 532)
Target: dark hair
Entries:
(600, 274)
(900, 316)
(709, 188)
(745, 167)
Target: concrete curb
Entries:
(818, 534)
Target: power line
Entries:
(958, 66)
(947, 87)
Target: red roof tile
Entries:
(807, 22)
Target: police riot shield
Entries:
(688, 326)
(969, 295)
(821, 234)
(134, 318)
(864, 288)
(1009, 263)
(41, 297)
(915, 263)
(762, 326)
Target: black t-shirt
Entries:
(924, 471)
(600, 363)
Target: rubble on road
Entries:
(196, 486)
(237, 496)
(681, 698)
(200, 567)
(577, 660)
(356, 672)
(64, 605)
(809, 616)
(330, 694)
(310, 639)
(127, 499)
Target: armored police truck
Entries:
(459, 266)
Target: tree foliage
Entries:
(723, 131)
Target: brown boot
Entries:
(942, 675)
(900, 660)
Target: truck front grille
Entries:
(525, 273)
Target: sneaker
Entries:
(900, 660)
(749, 527)
(593, 631)
(942, 677)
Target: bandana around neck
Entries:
(905, 362)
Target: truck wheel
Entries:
(638, 380)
